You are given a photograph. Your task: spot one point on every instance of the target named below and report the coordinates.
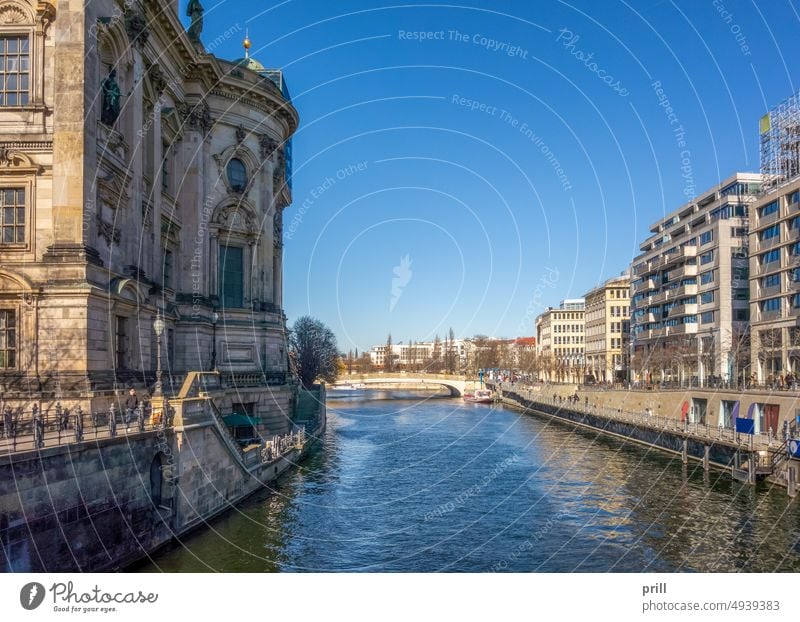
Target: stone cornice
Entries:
(27, 145)
(211, 72)
(284, 111)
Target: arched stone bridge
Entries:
(456, 384)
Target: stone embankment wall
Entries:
(672, 442)
(101, 505)
(669, 403)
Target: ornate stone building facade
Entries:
(140, 177)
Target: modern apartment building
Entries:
(608, 330)
(690, 290)
(775, 248)
(560, 335)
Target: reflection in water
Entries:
(425, 484)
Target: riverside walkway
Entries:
(749, 457)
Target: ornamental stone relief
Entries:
(13, 15)
(136, 26)
(196, 117)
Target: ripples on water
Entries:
(421, 484)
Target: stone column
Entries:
(74, 126)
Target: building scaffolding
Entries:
(779, 130)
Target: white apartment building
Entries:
(690, 290)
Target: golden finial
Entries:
(247, 43)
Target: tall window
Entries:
(231, 276)
(14, 71)
(121, 341)
(8, 339)
(165, 163)
(12, 202)
(167, 281)
(237, 175)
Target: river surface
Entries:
(407, 483)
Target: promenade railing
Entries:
(35, 428)
(703, 431)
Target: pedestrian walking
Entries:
(112, 421)
(8, 422)
(131, 403)
(38, 427)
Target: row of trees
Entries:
(694, 360)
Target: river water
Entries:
(410, 483)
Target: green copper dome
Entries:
(250, 63)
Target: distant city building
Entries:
(608, 330)
(689, 304)
(560, 334)
(775, 248)
(420, 354)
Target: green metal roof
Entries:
(237, 420)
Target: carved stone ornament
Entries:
(277, 226)
(112, 191)
(136, 26)
(10, 14)
(196, 117)
(240, 135)
(107, 231)
(46, 13)
(232, 218)
(157, 79)
(268, 146)
(17, 160)
(280, 168)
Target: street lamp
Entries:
(214, 320)
(158, 327)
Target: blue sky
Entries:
(515, 153)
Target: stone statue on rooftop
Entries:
(195, 11)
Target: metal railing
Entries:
(25, 430)
(703, 431)
(253, 379)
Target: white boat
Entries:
(346, 387)
(481, 396)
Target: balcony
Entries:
(757, 270)
(685, 252)
(683, 271)
(679, 310)
(767, 220)
(769, 292)
(644, 286)
(648, 267)
(647, 318)
(766, 245)
(683, 329)
(770, 316)
(683, 290)
(658, 298)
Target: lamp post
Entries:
(214, 320)
(158, 327)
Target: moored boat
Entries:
(481, 396)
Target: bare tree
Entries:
(313, 349)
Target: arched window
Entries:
(237, 175)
